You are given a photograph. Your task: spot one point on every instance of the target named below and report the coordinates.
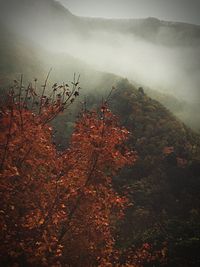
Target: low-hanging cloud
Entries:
(162, 55)
(174, 70)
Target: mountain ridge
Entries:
(182, 33)
(54, 33)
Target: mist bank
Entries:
(161, 55)
(170, 70)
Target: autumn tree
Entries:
(58, 208)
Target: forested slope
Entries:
(164, 183)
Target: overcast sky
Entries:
(172, 10)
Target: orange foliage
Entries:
(146, 254)
(59, 208)
(168, 150)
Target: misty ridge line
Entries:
(178, 10)
(56, 14)
(162, 55)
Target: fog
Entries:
(169, 69)
(161, 55)
(174, 70)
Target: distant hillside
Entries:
(21, 56)
(163, 185)
(182, 109)
(17, 56)
(150, 29)
(50, 14)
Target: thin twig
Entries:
(43, 91)
(20, 110)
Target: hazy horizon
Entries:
(186, 11)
